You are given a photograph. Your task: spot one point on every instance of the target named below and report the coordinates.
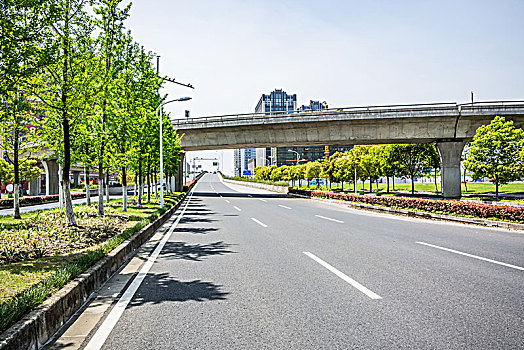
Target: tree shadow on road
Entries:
(160, 288)
(196, 230)
(194, 252)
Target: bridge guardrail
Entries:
(446, 106)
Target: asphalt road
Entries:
(248, 269)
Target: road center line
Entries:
(283, 206)
(263, 200)
(258, 222)
(472, 256)
(237, 208)
(330, 219)
(345, 277)
(109, 323)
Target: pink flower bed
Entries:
(479, 210)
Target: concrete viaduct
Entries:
(448, 125)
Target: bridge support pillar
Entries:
(179, 177)
(34, 187)
(450, 152)
(51, 176)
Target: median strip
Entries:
(258, 222)
(345, 277)
(472, 256)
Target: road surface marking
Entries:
(237, 208)
(249, 195)
(472, 256)
(227, 201)
(330, 219)
(109, 323)
(283, 206)
(345, 277)
(258, 222)
(263, 200)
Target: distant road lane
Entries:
(245, 268)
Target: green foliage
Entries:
(496, 152)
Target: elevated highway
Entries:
(448, 125)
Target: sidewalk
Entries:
(50, 205)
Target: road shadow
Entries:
(196, 230)
(195, 218)
(194, 252)
(161, 288)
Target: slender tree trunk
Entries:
(342, 185)
(136, 184)
(140, 182)
(101, 188)
(370, 184)
(393, 182)
(88, 191)
(496, 187)
(124, 189)
(465, 184)
(436, 187)
(387, 179)
(148, 174)
(412, 184)
(107, 186)
(16, 168)
(66, 185)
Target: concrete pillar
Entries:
(34, 187)
(450, 152)
(76, 179)
(179, 178)
(51, 176)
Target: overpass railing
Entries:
(446, 106)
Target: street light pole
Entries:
(298, 154)
(161, 149)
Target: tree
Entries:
(389, 164)
(276, 174)
(370, 163)
(495, 152)
(413, 160)
(63, 86)
(313, 170)
(24, 46)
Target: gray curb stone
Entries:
(35, 328)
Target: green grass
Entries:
(26, 284)
(473, 188)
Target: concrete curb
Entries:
(34, 329)
(272, 188)
(420, 214)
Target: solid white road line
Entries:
(249, 195)
(283, 206)
(345, 277)
(263, 200)
(472, 256)
(237, 208)
(258, 222)
(227, 201)
(330, 219)
(109, 323)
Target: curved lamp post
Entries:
(161, 150)
(298, 154)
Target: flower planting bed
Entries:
(32, 200)
(437, 206)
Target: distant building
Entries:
(247, 155)
(237, 162)
(313, 106)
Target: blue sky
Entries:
(344, 52)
